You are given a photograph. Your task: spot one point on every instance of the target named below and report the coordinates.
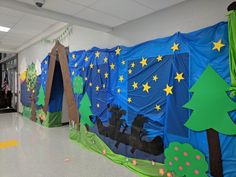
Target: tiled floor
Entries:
(44, 152)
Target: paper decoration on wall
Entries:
(31, 79)
(211, 104)
(78, 85)
(64, 34)
(23, 76)
(85, 111)
(186, 161)
(41, 97)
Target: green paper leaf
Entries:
(211, 104)
(184, 160)
(85, 111)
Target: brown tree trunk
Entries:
(33, 109)
(215, 158)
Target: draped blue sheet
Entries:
(194, 55)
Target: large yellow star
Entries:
(218, 45)
(106, 75)
(112, 66)
(168, 89)
(105, 60)
(118, 51)
(146, 87)
(135, 85)
(129, 100)
(86, 59)
(121, 78)
(132, 65)
(130, 71)
(97, 54)
(143, 62)
(159, 58)
(175, 47)
(158, 107)
(179, 76)
(155, 78)
(91, 65)
(97, 88)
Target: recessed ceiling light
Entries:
(4, 29)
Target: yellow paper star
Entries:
(123, 62)
(155, 78)
(118, 51)
(179, 76)
(73, 73)
(76, 64)
(130, 71)
(129, 100)
(135, 85)
(218, 45)
(146, 87)
(46, 62)
(159, 58)
(86, 59)
(143, 62)
(175, 47)
(106, 75)
(118, 90)
(97, 54)
(83, 69)
(112, 66)
(91, 65)
(168, 89)
(105, 60)
(85, 78)
(73, 56)
(98, 105)
(97, 88)
(104, 86)
(158, 107)
(121, 78)
(132, 65)
(98, 71)
(90, 84)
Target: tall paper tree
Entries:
(85, 111)
(211, 105)
(41, 97)
(31, 78)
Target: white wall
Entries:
(81, 38)
(187, 16)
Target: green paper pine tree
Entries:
(85, 111)
(211, 104)
(41, 97)
(78, 85)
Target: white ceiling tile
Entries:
(158, 4)
(126, 9)
(63, 6)
(83, 2)
(100, 17)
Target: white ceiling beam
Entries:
(28, 8)
(7, 50)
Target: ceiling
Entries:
(109, 13)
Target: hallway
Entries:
(44, 152)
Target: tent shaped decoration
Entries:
(55, 81)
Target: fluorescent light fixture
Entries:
(4, 29)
